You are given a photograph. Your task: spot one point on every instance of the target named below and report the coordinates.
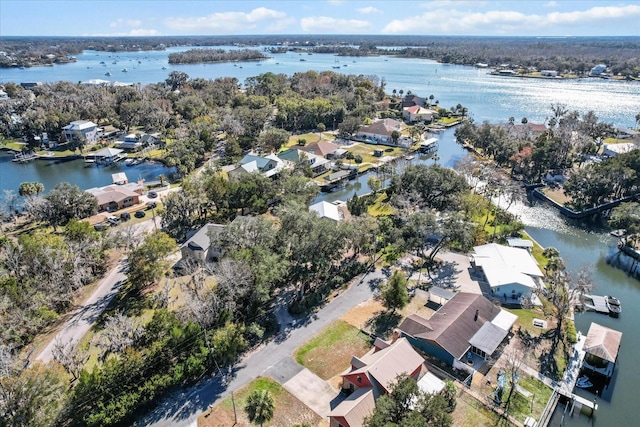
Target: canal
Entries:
(580, 248)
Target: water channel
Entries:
(487, 97)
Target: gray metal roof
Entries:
(488, 338)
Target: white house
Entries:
(417, 113)
(613, 150)
(380, 131)
(202, 246)
(81, 128)
(334, 211)
(512, 273)
(268, 166)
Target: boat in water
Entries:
(613, 304)
(108, 74)
(124, 70)
(584, 382)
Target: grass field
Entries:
(288, 409)
(328, 353)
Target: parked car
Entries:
(152, 194)
(125, 216)
(113, 220)
(139, 214)
(101, 226)
(151, 205)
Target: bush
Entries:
(570, 332)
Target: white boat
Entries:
(584, 382)
(613, 304)
(410, 157)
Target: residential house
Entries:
(379, 132)
(512, 273)
(549, 73)
(411, 100)
(417, 114)
(621, 133)
(601, 349)
(81, 129)
(612, 150)
(318, 164)
(465, 331)
(203, 246)
(115, 197)
(371, 376)
(268, 166)
(335, 211)
(136, 142)
(320, 148)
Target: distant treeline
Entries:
(196, 56)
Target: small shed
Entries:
(440, 296)
(378, 152)
(119, 178)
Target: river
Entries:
(487, 97)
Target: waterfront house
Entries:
(512, 273)
(268, 166)
(81, 129)
(601, 349)
(371, 376)
(203, 246)
(318, 164)
(335, 211)
(612, 150)
(417, 113)
(465, 331)
(379, 132)
(411, 100)
(320, 148)
(115, 197)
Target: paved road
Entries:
(183, 408)
(83, 318)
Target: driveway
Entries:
(184, 407)
(84, 316)
(313, 391)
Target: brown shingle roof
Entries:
(360, 404)
(603, 342)
(320, 148)
(454, 324)
(385, 365)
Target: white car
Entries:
(113, 220)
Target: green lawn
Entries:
(525, 319)
(525, 406)
(328, 353)
(381, 206)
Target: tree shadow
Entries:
(445, 275)
(383, 323)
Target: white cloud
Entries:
(326, 24)
(454, 21)
(137, 32)
(231, 22)
(125, 23)
(551, 4)
(368, 10)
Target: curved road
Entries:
(83, 318)
(273, 359)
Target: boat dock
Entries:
(24, 157)
(595, 303)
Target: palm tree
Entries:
(259, 407)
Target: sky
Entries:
(245, 17)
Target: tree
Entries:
(395, 136)
(31, 397)
(375, 184)
(394, 294)
(176, 79)
(28, 189)
(407, 406)
(272, 139)
(145, 263)
(63, 203)
(259, 407)
(72, 356)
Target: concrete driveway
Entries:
(313, 391)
